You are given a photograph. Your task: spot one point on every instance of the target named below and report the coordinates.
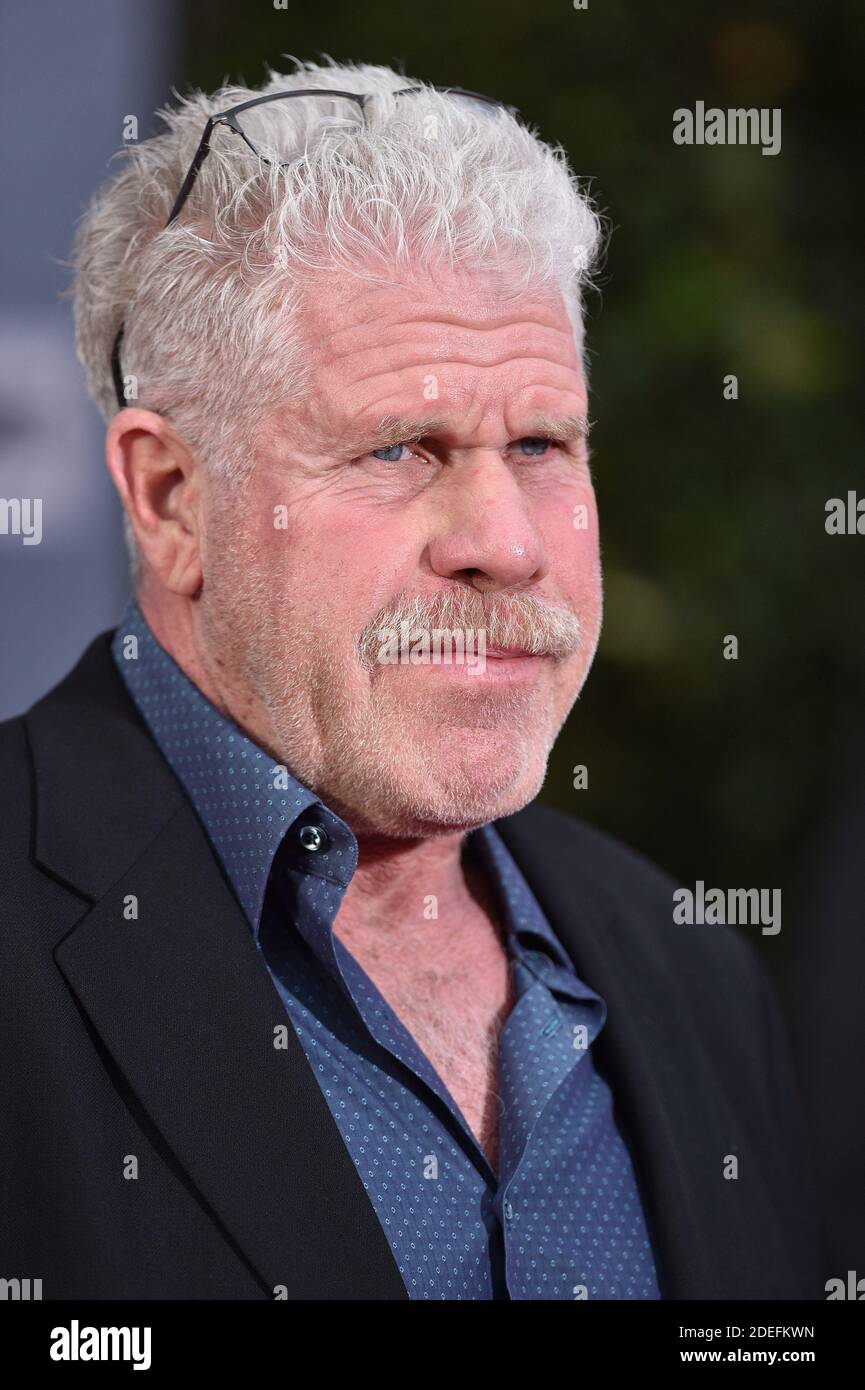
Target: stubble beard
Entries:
(389, 763)
(387, 758)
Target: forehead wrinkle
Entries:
(465, 398)
(431, 363)
(341, 342)
(518, 325)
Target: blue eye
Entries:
(536, 446)
(390, 454)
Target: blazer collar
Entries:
(102, 791)
(671, 1107)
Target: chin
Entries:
(483, 790)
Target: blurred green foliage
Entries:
(721, 260)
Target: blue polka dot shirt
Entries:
(562, 1216)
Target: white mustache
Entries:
(519, 620)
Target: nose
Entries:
(485, 533)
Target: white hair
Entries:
(211, 304)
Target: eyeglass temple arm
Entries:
(116, 370)
(192, 173)
(186, 187)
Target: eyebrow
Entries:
(401, 429)
(564, 429)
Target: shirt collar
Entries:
(529, 936)
(246, 801)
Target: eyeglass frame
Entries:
(229, 118)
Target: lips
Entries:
(507, 653)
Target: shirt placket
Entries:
(541, 1044)
(380, 1021)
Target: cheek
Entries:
(573, 545)
(346, 559)
(330, 567)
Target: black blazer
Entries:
(149, 1041)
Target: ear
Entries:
(159, 479)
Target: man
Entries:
(308, 998)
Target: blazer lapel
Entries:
(672, 1112)
(182, 1000)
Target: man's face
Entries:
(335, 528)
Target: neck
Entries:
(174, 624)
(398, 882)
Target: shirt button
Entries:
(313, 838)
(508, 1211)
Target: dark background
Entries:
(744, 773)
